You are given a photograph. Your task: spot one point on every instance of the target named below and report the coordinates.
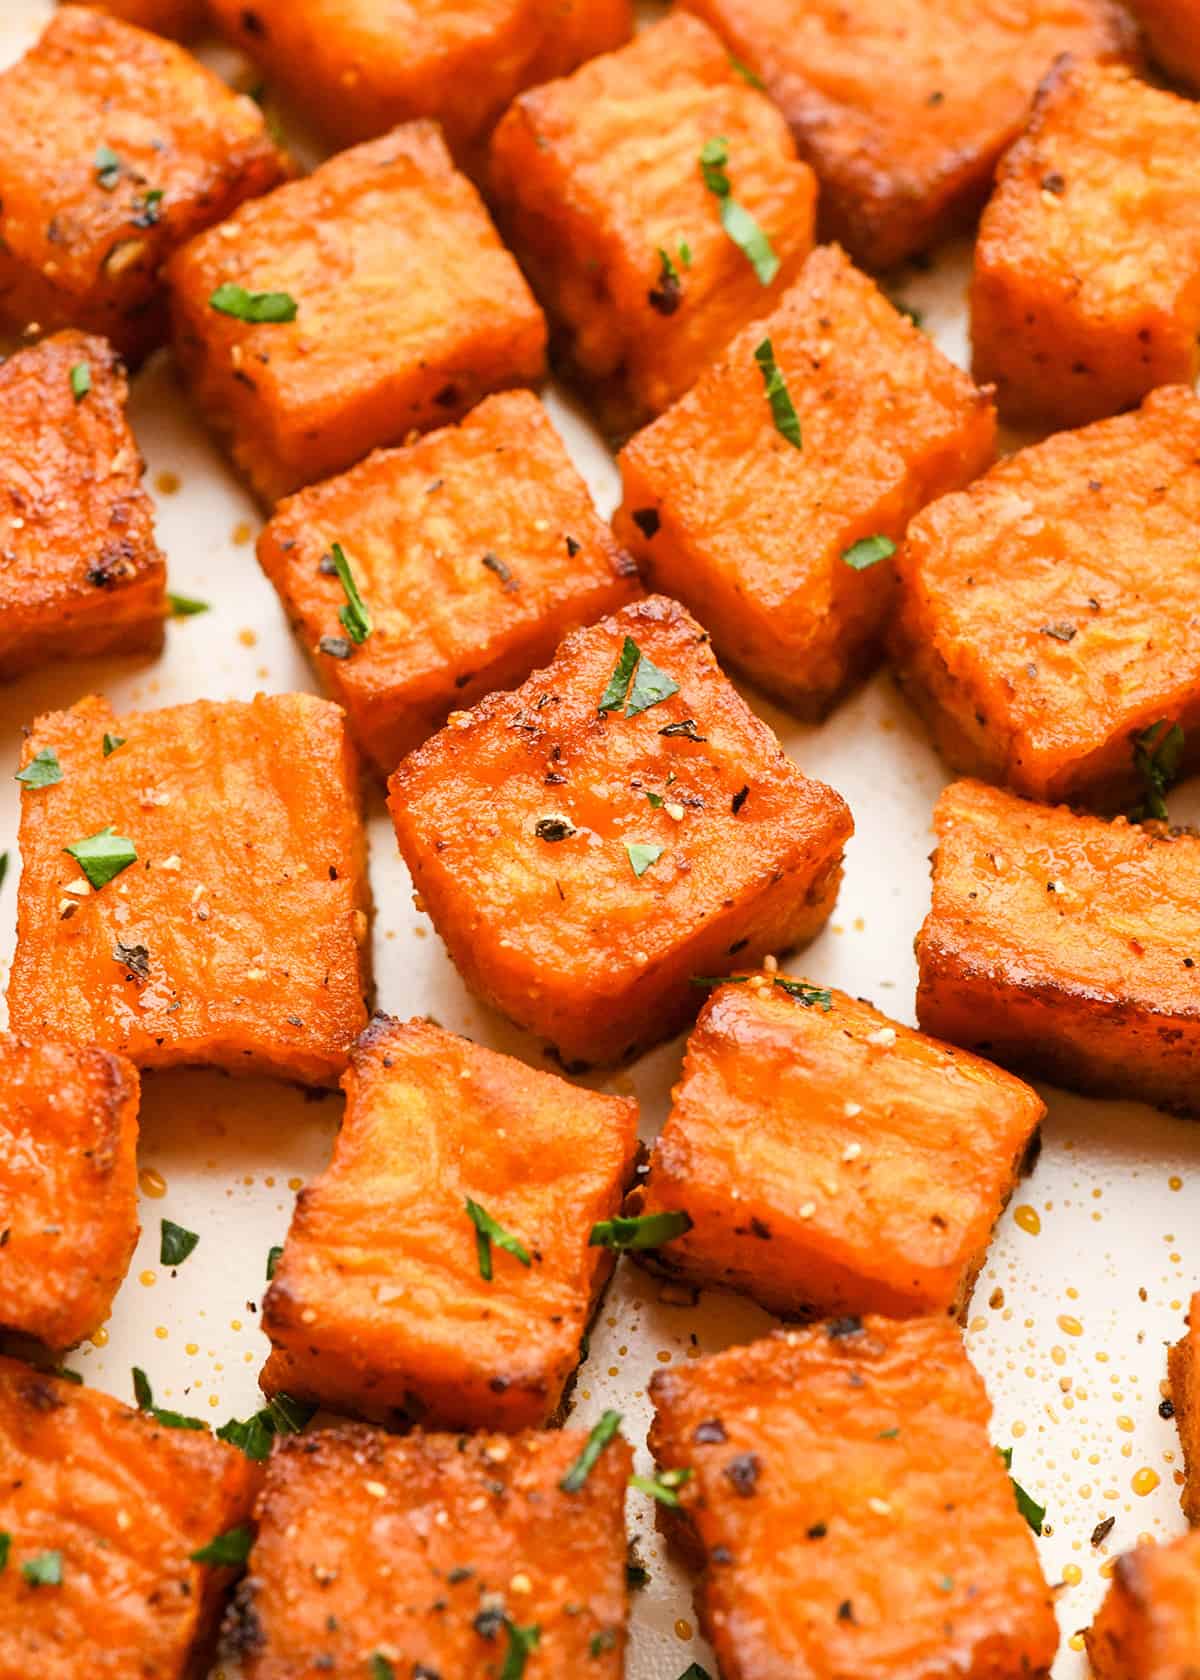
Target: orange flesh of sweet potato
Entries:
(1086, 289)
(1148, 1627)
(387, 246)
(242, 926)
(515, 822)
(724, 511)
(124, 1502)
(1183, 1370)
(1039, 626)
(598, 175)
(422, 1546)
(1172, 29)
(358, 69)
(81, 573)
(832, 1161)
(476, 549)
(1065, 946)
(377, 1304)
(180, 18)
(81, 244)
(854, 1517)
(903, 108)
(68, 1187)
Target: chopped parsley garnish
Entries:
(257, 307)
(783, 410)
(745, 72)
(274, 1255)
(522, 1642)
(43, 770)
(5, 1543)
(812, 997)
(663, 1487)
(488, 1232)
(693, 1671)
(868, 551)
(354, 618)
(175, 1243)
(144, 1395)
(641, 856)
(107, 166)
(636, 684)
(186, 606)
(642, 1230)
(148, 208)
(602, 1433)
(667, 292)
(81, 380)
(110, 744)
(102, 856)
(1157, 756)
(44, 1570)
(3, 867)
(907, 310)
(228, 1550)
(1034, 1514)
(738, 223)
(253, 1435)
(380, 1667)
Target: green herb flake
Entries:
(638, 1231)
(187, 606)
(694, 1672)
(43, 770)
(5, 1545)
(868, 551)
(685, 254)
(228, 1550)
(617, 691)
(274, 1255)
(175, 1243)
(664, 1487)
(488, 1232)
(1157, 757)
(44, 1570)
(143, 1394)
(110, 744)
(641, 856)
(1034, 1514)
(747, 75)
(783, 410)
(107, 167)
(282, 1415)
(601, 1434)
(812, 997)
(3, 867)
(256, 307)
(738, 223)
(147, 210)
(102, 856)
(380, 1668)
(81, 380)
(650, 685)
(522, 1642)
(353, 617)
(888, 1435)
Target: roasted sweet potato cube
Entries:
(82, 574)
(830, 1160)
(68, 1187)
(388, 1300)
(179, 18)
(194, 886)
(385, 245)
(437, 1553)
(1148, 1627)
(1039, 631)
(475, 550)
(765, 541)
(601, 187)
(103, 1510)
(1064, 946)
(853, 1516)
(115, 147)
(1172, 32)
(620, 824)
(901, 168)
(1086, 290)
(1183, 1369)
(358, 69)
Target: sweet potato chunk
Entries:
(436, 1552)
(1148, 1627)
(382, 1304)
(68, 1187)
(384, 246)
(103, 1510)
(475, 550)
(830, 1160)
(1172, 29)
(115, 147)
(179, 18)
(357, 69)
(1183, 1369)
(600, 184)
(1065, 946)
(81, 572)
(854, 1518)
(1039, 630)
(1086, 291)
(217, 912)
(755, 534)
(903, 108)
(618, 825)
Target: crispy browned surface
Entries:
(124, 1502)
(387, 246)
(357, 69)
(76, 251)
(180, 18)
(249, 896)
(1065, 946)
(1172, 29)
(902, 108)
(833, 1161)
(726, 513)
(1183, 1371)
(68, 1187)
(1040, 624)
(81, 572)
(559, 933)
(372, 1544)
(854, 1516)
(1086, 290)
(1148, 1627)
(599, 174)
(378, 1306)
(476, 549)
